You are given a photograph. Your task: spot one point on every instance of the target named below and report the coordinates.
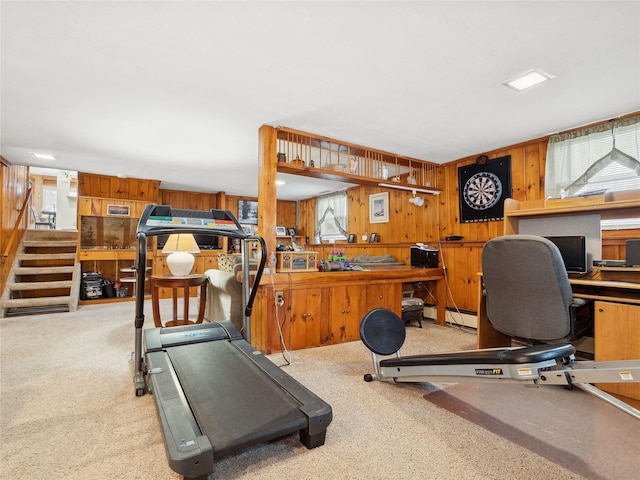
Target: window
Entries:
(49, 198)
(331, 216)
(593, 160)
(600, 158)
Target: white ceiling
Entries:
(176, 90)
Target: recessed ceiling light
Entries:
(43, 156)
(527, 79)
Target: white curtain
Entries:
(331, 216)
(570, 156)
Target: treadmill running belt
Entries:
(235, 403)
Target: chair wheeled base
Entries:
(383, 333)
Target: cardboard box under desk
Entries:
(296, 261)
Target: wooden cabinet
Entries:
(387, 296)
(107, 240)
(304, 318)
(616, 338)
(323, 308)
(346, 307)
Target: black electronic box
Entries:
(424, 257)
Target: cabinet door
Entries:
(304, 319)
(616, 338)
(346, 307)
(387, 296)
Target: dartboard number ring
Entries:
(482, 190)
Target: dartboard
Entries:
(482, 190)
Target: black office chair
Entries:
(528, 293)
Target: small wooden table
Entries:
(175, 283)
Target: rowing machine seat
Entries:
(382, 331)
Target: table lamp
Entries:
(180, 246)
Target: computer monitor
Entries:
(573, 249)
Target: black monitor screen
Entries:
(204, 241)
(573, 249)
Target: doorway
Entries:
(54, 197)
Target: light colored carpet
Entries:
(68, 411)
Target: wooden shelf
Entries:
(326, 174)
(315, 156)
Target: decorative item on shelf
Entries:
(296, 261)
(411, 179)
(297, 161)
(281, 231)
(337, 167)
(337, 256)
(282, 157)
(353, 165)
(384, 172)
(181, 247)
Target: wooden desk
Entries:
(616, 319)
(176, 283)
(323, 308)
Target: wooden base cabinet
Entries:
(304, 318)
(346, 307)
(325, 308)
(387, 296)
(616, 338)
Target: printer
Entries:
(423, 256)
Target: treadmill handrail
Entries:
(164, 218)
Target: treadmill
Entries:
(215, 393)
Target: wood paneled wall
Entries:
(15, 185)
(105, 186)
(192, 200)
(440, 217)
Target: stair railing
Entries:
(14, 233)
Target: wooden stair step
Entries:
(43, 270)
(20, 286)
(50, 243)
(35, 302)
(47, 256)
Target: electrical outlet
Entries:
(280, 299)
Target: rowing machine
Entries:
(384, 333)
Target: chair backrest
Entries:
(528, 293)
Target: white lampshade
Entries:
(180, 246)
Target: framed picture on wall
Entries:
(379, 208)
(281, 231)
(119, 210)
(248, 212)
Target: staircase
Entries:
(45, 275)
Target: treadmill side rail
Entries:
(189, 453)
(318, 412)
